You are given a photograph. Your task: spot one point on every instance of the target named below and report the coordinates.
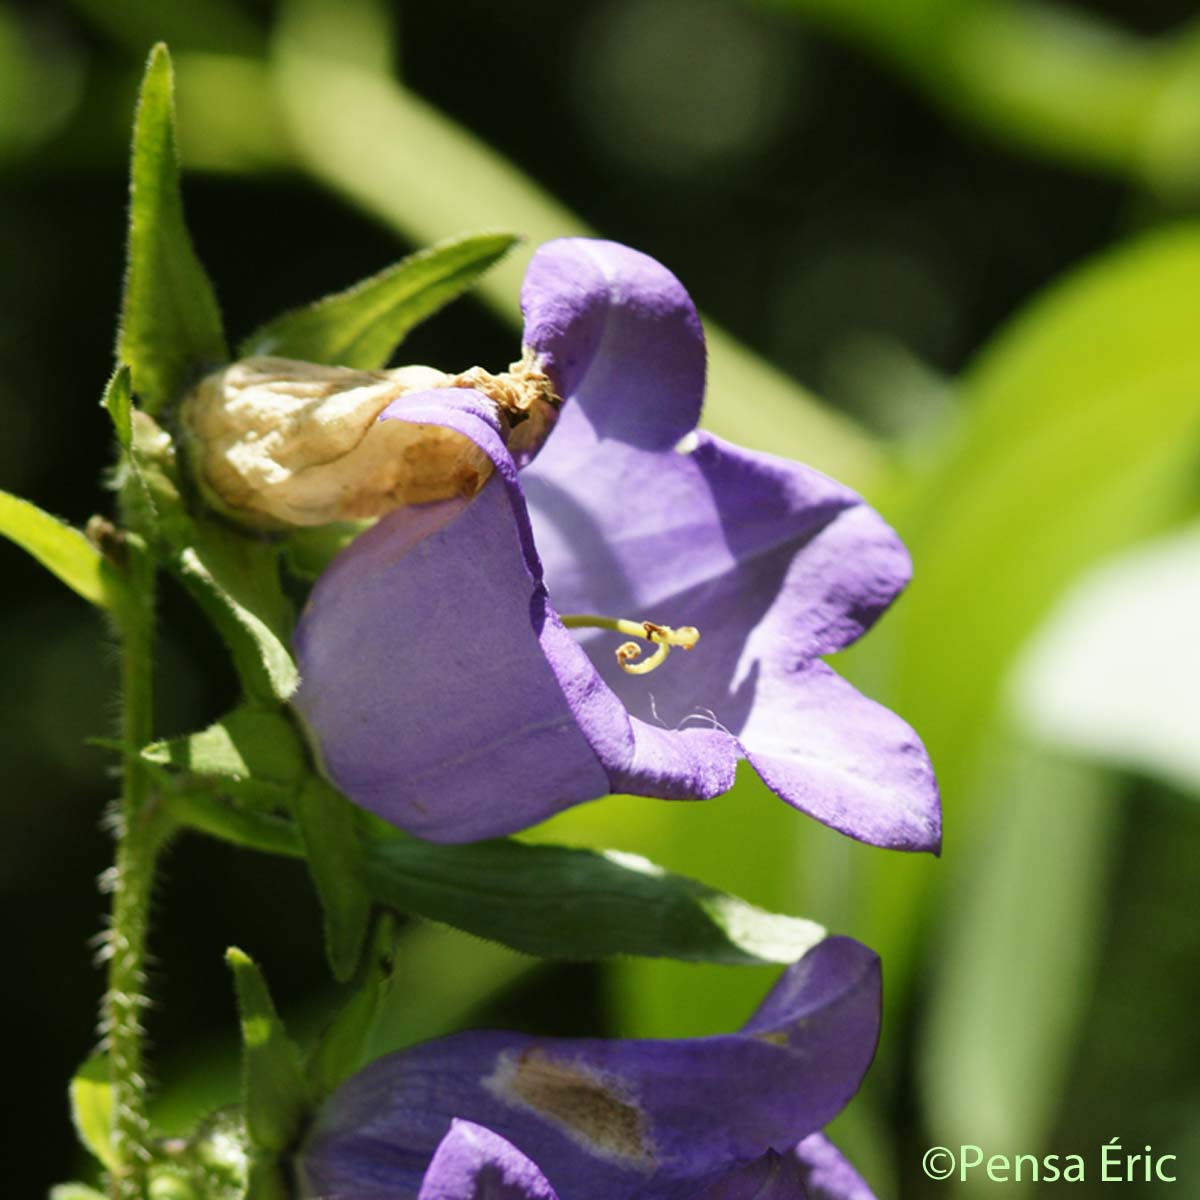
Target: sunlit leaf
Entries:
(118, 402)
(1115, 673)
(551, 901)
(558, 902)
(212, 25)
(235, 579)
(253, 753)
(1078, 437)
(170, 323)
(1018, 954)
(1081, 434)
(237, 582)
(362, 326)
(63, 551)
(92, 1108)
(275, 1094)
(256, 755)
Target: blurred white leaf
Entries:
(1115, 672)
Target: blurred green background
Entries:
(968, 226)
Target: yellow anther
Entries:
(629, 654)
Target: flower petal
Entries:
(641, 1120)
(851, 763)
(418, 639)
(473, 1163)
(776, 565)
(772, 1177)
(619, 337)
(826, 1173)
(622, 530)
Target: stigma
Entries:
(629, 654)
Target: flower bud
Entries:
(275, 442)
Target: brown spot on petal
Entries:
(595, 1111)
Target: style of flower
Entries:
(511, 1117)
(460, 674)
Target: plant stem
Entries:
(140, 835)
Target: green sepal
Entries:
(118, 403)
(170, 323)
(343, 1045)
(92, 1108)
(267, 1182)
(309, 550)
(329, 830)
(253, 753)
(235, 579)
(63, 550)
(362, 326)
(275, 1097)
(250, 828)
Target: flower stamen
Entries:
(629, 654)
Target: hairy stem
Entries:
(139, 837)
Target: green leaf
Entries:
(245, 827)
(362, 326)
(235, 579)
(1077, 438)
(342, 1047)
(118, 401)
(62, 550)
(92, 1108)
(170, 323)
(1018, 952)
(75, 1191)
(252, 753)
(256, 755)
(1091, 400)
(329, 830)
(558, 902)
(551, 901)
(275, 1096)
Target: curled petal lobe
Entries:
(473, 1163)
(640, 1120)
(851, 763)
(619, 336)
(826, 1173)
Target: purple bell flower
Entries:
(473, 1163)
(512, 1117)
(464, 673)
